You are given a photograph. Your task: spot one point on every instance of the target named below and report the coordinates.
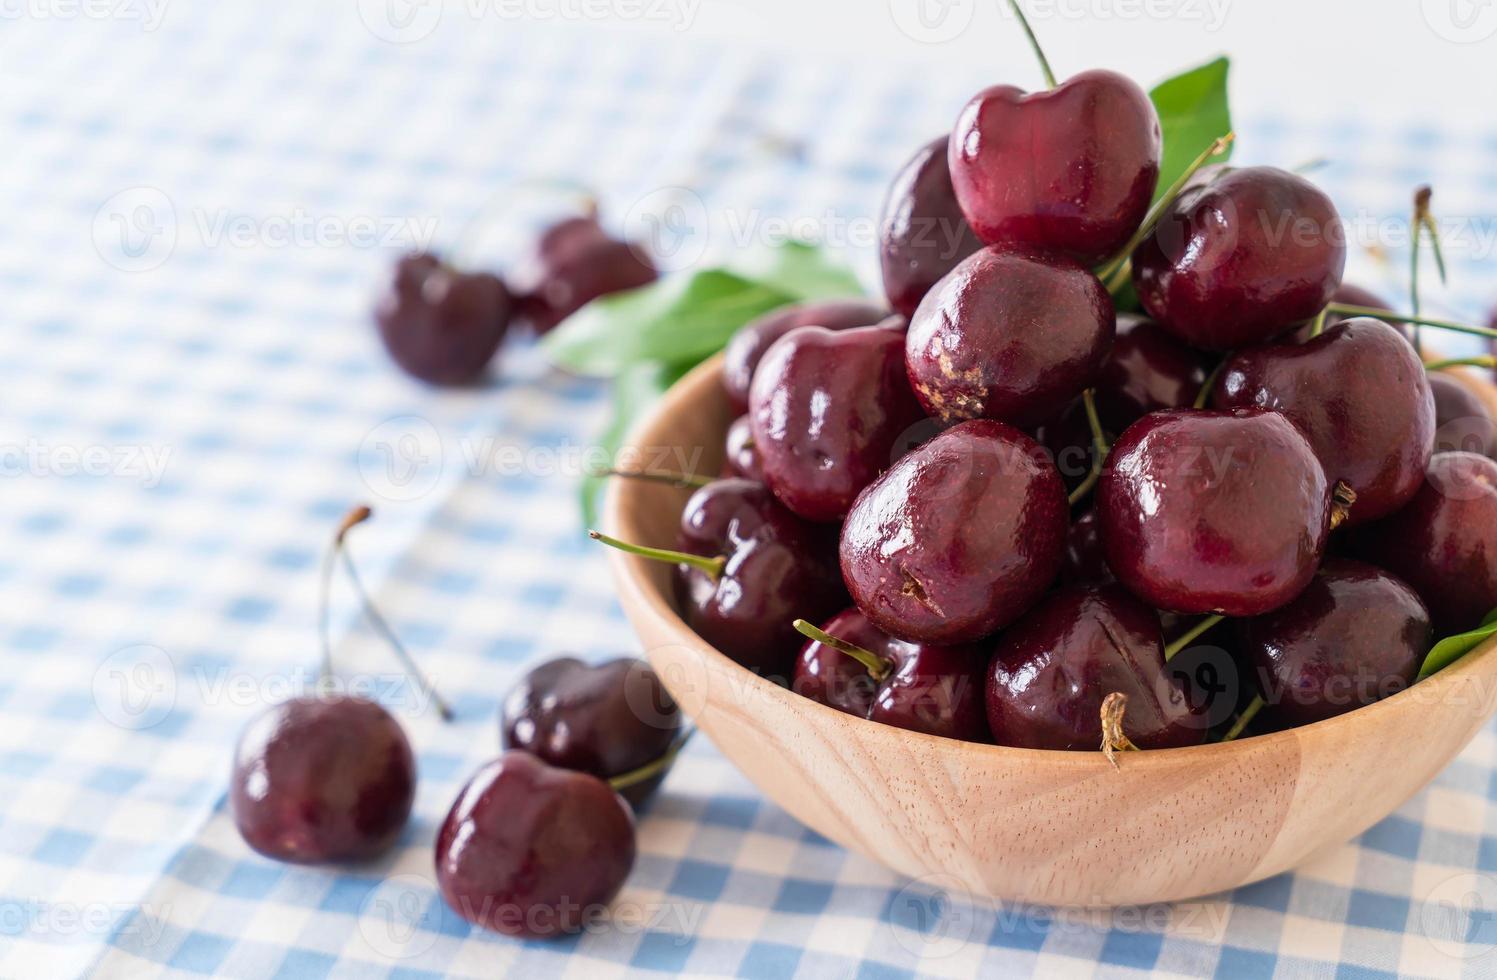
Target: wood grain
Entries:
(1054, 828)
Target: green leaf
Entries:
(799, 270)
(1192, 111)
(1448, 651)
(634, 391)
(679, 319)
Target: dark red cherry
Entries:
(741, 456)
(440, 325)
(1462, 421)
(1361, 396)
(776, 567)
(1147, 370)
(1241, 260)
(1214, 512)
(922, 234)
(575, 262)
(534, 851)
(959, 538)
(1067, 440)
(606, 719)
(1011, 335)
(1086, 556)
(1052, 670)
(1071, 170)
(323, 778)
(1444, 543)
(1354, 636)
(923, 688)
(828, 409)
(744, 351)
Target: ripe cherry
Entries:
(1147, 370)
(922, 234)
(440, 325)
(828, 410)
(575, 262)
(535, 851)
(1086, 555)
(1214, 512)
(959, 538)
(1354, 636)
(746, 568)
(1241, 260)
(1444, 543)
(741, 457)
(1361, 396)
(1010, 335)
(1052, 671)
(855, 667)
(607, 719)
(1071, 170)
(744, 351)
(1462, 421)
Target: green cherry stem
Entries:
(1318, 327)
(1421, 212)
(1427, 321)
(1034, 43)
(1114, 274)
(1085, 486)
(1190, 636)
(1481, 361)
(878, 667)
(1100, 448)
(1244, 719)
(352, 519)
(1207, 386)
(656, 476)
(650, 770)
(712, 566)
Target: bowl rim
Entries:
(629, 576)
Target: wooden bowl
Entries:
(1053, 828)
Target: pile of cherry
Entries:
(1000, 511)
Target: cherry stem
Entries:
(1318, 327)
(1421, 214)
(1190, 636)
(336, 550)
(652, 769)
(657, 476)
(1244, 719)
(1034, 43)
(1086, 486)
(712, 566)
(1100, 448)
(1209, 385)
(1481, 360)
(1114, 739)
(878, 667)
(1113, 273)
(1342, 500)
(1427, 321)
(1313, 164)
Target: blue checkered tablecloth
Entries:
(196, 210)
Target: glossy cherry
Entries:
(750, 567)
(440, 325)
(922, 234)
(741, 457)
(1354, 636)
(1241, 260)
(1444, 543)
(1071, 169)
(1214, 512)
(323, 777)
(932, 689)
(575, 262)
(828, 409)
(1462, 421)
(1361, 396)
(1051, 672)
(534, 851)
(1086, 555)
(1147, 370)
(959, 538)
(1010, 335)
(607, 719)
(747, 347)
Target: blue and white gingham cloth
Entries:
(195, 214)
